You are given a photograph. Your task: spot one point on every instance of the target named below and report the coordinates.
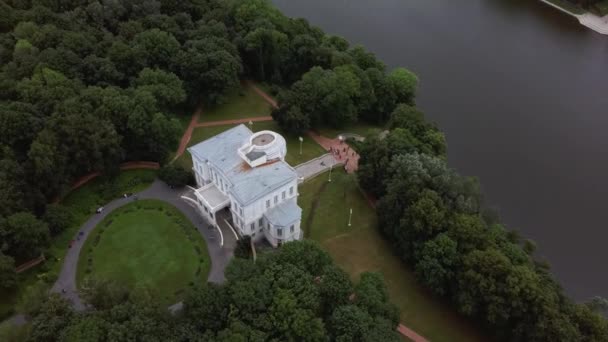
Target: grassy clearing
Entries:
(149, 243)
(601, 8)
(82, 202)
(361, 248)
(242, 103)
(310, 149)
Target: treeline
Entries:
(293, 294)
(86, 84)
(436, 222)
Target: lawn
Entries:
(146, 243)
(241, 103)
(82, 202)
(360, 248)
(310, 149)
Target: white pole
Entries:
(301, 139)
(350, 216)
(330, 167)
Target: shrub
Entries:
(175, 176)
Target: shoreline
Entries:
(589, 20)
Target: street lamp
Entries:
(251, 125)
(301, 140)
(350, 216)
(341, 138)
(330, 167)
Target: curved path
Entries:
(220, 256)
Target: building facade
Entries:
(242, 177)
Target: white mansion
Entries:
(247, 173)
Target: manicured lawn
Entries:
(82, 202)
(310, 149)
(360, 128)
(361, 248)
(242, 103)
(149, 243)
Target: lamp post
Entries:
(251, 125)
(301, 140)
(330, 167)
(350, 216)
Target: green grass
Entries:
(601, 8)
(568, 6)
(146, 243)
(361, 248)
(242, 103)
(361, 128)
(310, 149)
(82, 202)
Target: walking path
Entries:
(590, 20)
(316, 166)
(234, 121)
(263, 94)
(220, 256)
(344, 153)
(188, 133)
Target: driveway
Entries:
(220, 256)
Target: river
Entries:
(520, 91)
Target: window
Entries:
(291, 191)
(206, 209)
(211, 214)
(253, 227)
(241, 211)
(267, 203)
(260, 222)
(276, 199)
(291, 229)
(279, 231)
(222, 184)
(283, 195)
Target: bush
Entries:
(175, 176)
(243, 248)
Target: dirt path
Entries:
(233, 121)
(263, 94)
(188, 133)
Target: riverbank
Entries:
(589, 20)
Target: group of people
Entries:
(340, 152)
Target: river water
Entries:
(520, 91)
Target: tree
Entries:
(24, 235)
(55, 315)
(371, 295)
(166, 87)
(154, 48)
(8, 276)
(57, 217)
(403, 84)
(437, 263)
(175, 176)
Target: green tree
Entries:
(166, 87)
(8, 276)
(57, 217)
(24, 235)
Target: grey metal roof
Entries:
(221, 150)
(284, 214)
(248, 184)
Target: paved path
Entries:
(234, 121)
(590, 20)
(220, 256)
(344, 154)
(316, 166)
(411, 334)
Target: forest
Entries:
(87, 84)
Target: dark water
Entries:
(520, 91)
